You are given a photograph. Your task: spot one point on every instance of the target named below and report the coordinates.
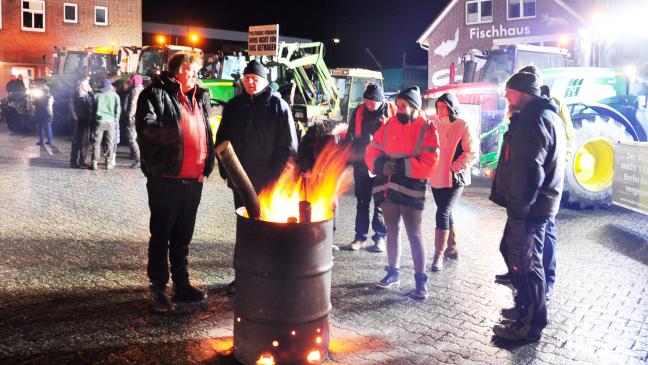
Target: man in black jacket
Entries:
(529, 183)
(366, 120)
(81, 112)
(260, 127)
(177, 153)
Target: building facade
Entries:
(30, 29)
(470, 27)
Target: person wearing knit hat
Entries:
(413, 96)
(403, 154)
(365, 121)
(532, 69)
(260, 127)
(254, 67)
(528, 183)
(107, 113)
(131, 106)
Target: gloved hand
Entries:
(389, 167)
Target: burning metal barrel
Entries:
(283, 291)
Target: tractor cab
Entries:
(351, 84)
(154, 59)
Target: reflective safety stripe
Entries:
(398, 155)
(419, 142)
(431, 149)
(408, 167)
(377, 146)
(401, 189)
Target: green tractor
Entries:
(603, 113)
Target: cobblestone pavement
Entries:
(73, 285)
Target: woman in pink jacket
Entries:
(458, 151)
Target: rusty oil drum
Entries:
(283, 291)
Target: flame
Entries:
(265, 359)
(314, 357)
(327, 181)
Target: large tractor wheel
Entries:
(590, 168)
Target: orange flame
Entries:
(327, 181)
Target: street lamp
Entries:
(161, 39)
(193, 37)
(336, 40)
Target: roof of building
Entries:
(210, 33)
(422, 40)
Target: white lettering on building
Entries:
(495, 32)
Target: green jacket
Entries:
(107, 106)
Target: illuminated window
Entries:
(70, 13)
(521, 9)
(479, 11)
(101, 15)
(33, 15)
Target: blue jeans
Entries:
(45, 127)
(363, 185)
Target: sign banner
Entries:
(263, 39)
(630, 185)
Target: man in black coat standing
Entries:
(529, 184)
(260, 127)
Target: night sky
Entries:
(388, 28)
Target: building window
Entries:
(70, 13)
(33, 15)
(521, 9)
(101, 15)
(479, 11)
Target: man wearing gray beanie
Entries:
(529, 184)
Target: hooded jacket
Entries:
(107, 105)
(157, 122)
(262, 132)
(457, 147)
(531, 170)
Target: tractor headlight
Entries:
(36, 93)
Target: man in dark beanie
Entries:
(529, 184)
(367, 118)
(260, 127)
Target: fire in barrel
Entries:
(283, 264)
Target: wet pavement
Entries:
(73, 285)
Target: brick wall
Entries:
(25, 47)
(545, 23)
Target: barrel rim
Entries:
(240, 210)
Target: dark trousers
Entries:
(363, 185)
(80, 143)
(174, 204)
(523, 243)
(548, 252)
(445, 198)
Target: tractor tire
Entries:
(590, 167)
